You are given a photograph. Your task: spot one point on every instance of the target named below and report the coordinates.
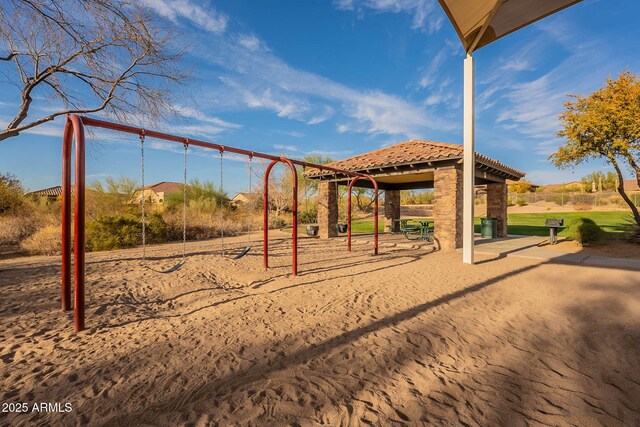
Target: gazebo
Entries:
(418, 164)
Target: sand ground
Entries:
(404, 338)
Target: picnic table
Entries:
(415, 229)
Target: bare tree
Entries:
(83, 56)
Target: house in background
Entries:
(241, 198)
(156, 193)
(630, 185)
(51, 194)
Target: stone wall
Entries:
(447, 214)
(391, 210)
(327, 210)
(497, 206)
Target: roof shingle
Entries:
(412, 152)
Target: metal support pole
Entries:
(78, 228)
(468, 162)
(294, 208)
(265, 215)
(265, 218)
(67, 141)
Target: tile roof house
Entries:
(51, 193)
(630, 185)
(157, 192)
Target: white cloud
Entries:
(431, 74)
(204, 17)
(516, 64)
(328, 112)
(262, 80)
(423, 11)
(251, 42)
(285, 147)
(192, 113)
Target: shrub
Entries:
(276, 222)
(308, 216)
(108, 232)
(509, 202)
(584, 231)
(11, 194)
(45, 241)
(13, 229)
(582, 199)
(634, 235)
(559, 199)
(521, 201)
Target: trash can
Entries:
(489, 227)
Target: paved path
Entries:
(529, 247)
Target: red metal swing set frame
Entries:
(74, 130)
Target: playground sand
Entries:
(402, 338)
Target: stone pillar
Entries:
(391, 210)
(447, 212)
(497, 205)
(327, 210)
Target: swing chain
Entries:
(222, 200)
(184, 203)
(142, 196)
(250, 197)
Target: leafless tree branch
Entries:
(86, 56)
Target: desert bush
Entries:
(15, 228)
(308, 215)
(276, 222)
(11, 194)
(510, 202)
(559, 199)
(634, 234)
(583, 231)
(202, 196)
(108, 232)
(204, 225)
(582, 199)
(45, 241)
(521, 201)
(112, 197)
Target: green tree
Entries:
(11, 193)
(608, 180)
(112, 196)
(605, 124)
(520, 187)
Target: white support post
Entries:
(469, 161)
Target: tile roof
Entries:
(631, 185)
(413, 152)
(51, 191)
(165, 187)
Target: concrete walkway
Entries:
(533, 247)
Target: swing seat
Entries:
(243, 253)
(176, 267)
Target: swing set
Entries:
(74, 130)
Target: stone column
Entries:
(327, 210)
(447, 212)
(497, 206)
(391, 210)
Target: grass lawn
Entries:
(613, 223)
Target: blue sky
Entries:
(342, 77)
